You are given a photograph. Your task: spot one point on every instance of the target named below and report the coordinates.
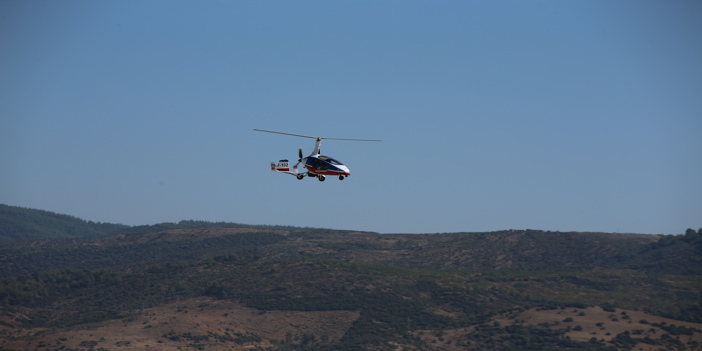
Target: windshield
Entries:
(330, 160)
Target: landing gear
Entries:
(300, 176)
(321, 178)
(341, 177)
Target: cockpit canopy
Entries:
(330, 160)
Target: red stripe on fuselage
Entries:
(326, 171)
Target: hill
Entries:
(24, 224)
(277, 289)
(17, 223)
(508, 250)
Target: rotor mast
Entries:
(317, 145)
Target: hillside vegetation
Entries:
(296, 289)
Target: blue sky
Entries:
(552, 115)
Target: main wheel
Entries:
(341, 177)
(300, 176)
(321, 178)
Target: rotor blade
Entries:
(297, 135)
(311, 137)
(349, 139)
(299, 151)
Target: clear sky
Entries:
(551, 115)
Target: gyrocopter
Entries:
(317, 165)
